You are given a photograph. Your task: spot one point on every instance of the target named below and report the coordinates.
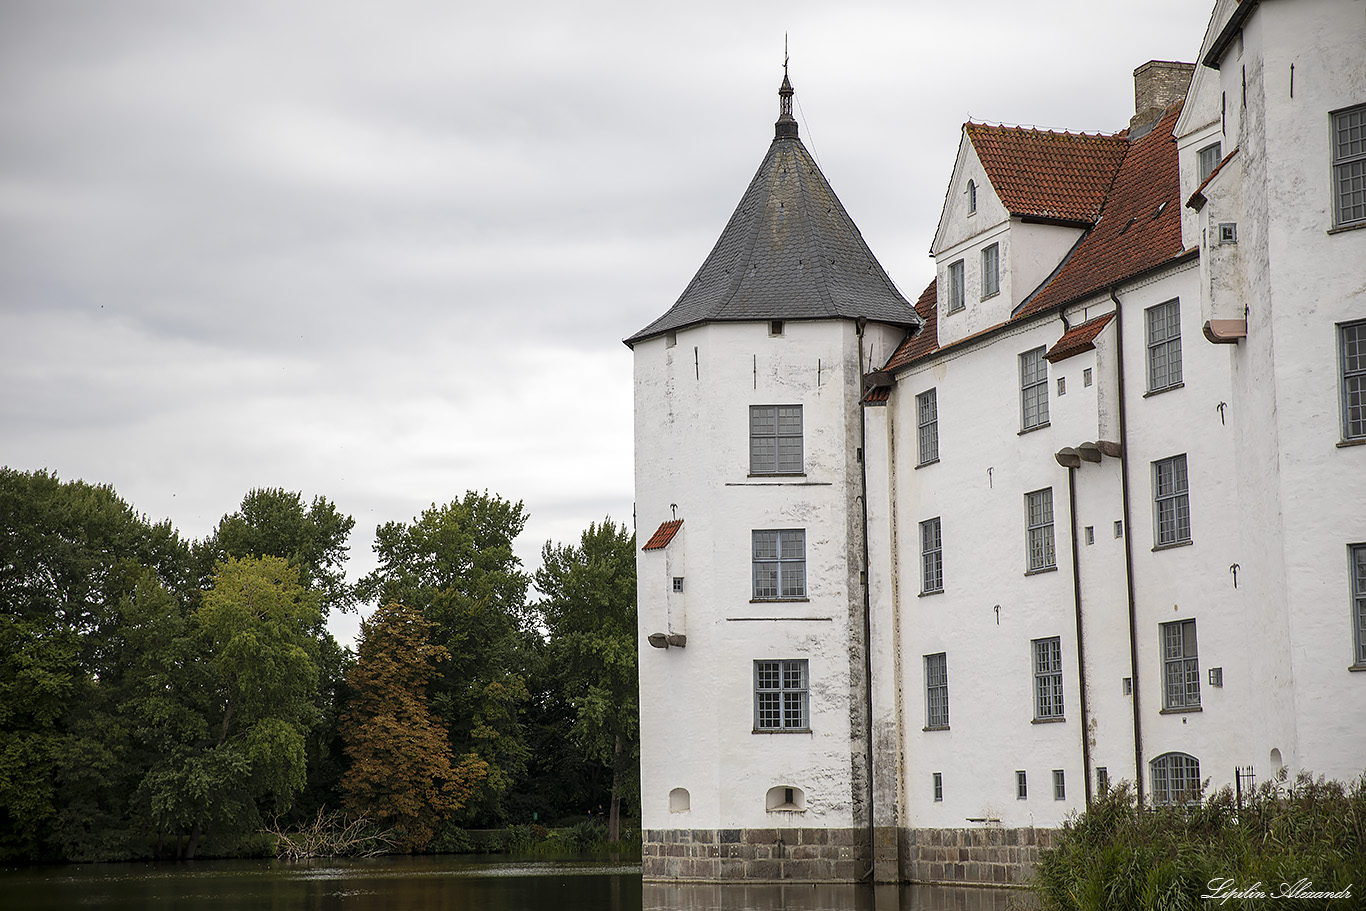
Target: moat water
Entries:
(445, 883)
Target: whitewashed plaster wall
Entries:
(692, 449)
(1306, 281)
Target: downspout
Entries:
(1128, 548)
(1081, 643)
(867, 600)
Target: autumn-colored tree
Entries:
(402, 772)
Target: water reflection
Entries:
(448, 883)
(774, 897)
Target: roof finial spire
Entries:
(786, 127)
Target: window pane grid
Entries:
(1039, 529)
(1176, 779)
(1033, 389)
(1349, 166)
(779, 564)
(1048, 678)
(780, 695)
(1181, 665)
(991, 275)
(1359, 600)
(937, 690)
(775, 439)
(1353, 342)
(1164, 345)
(927, 412)
(932, 556)
(1171, 501)
(956, 286)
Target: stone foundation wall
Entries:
(966, 857)
(986, 856)
(755, 855)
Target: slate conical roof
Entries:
(789, 252)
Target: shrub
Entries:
(1121, 855)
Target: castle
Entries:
(922, 578)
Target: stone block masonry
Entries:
(966, 857)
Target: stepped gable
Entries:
(1042, 174)
(1139, 228)
(789, 252)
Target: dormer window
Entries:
(956, 286)
(972, 197)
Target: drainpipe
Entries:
(1081, 642)
(867, 600)
(1128, 548)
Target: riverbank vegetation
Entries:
(1304, 840)
(168, 698)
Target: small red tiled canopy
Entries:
(1078, 339)
(663, 535)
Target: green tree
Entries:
(402, 773)
(274, 522)
(455, 564)
(255, 627)
(69, 552)
(589, 609)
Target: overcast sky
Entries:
(386, 252)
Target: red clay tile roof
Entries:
(878, 395)
(1042, 174)
(663, 535)
(925, 341)
(1078, 339)
(1139, 227)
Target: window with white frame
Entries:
(956, 296)
(1059, 784)
(927, 417)
(775, 439)
(779, 564)
(1164, 345)
(780, 695)
(991, 271)
(1180, 666)
(938, 782)
(1352, 344)
(1048, 678)
(931, 557)
(1021, 785)
(1039, 529)
(1208, 159)
(937, 691)
(1358, 571)
(972, 197)
(1349, 167)
(1171, 502)
(1033, 389)
(1175, 779)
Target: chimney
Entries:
(1158, 84)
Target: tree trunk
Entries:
(194, 843)
(614, 816)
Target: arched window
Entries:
(972, 197)
(1176, 779)
(785, 798)
(679, 800)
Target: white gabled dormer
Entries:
(1018, 202)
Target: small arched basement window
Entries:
(679, 800)
(785, 799)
